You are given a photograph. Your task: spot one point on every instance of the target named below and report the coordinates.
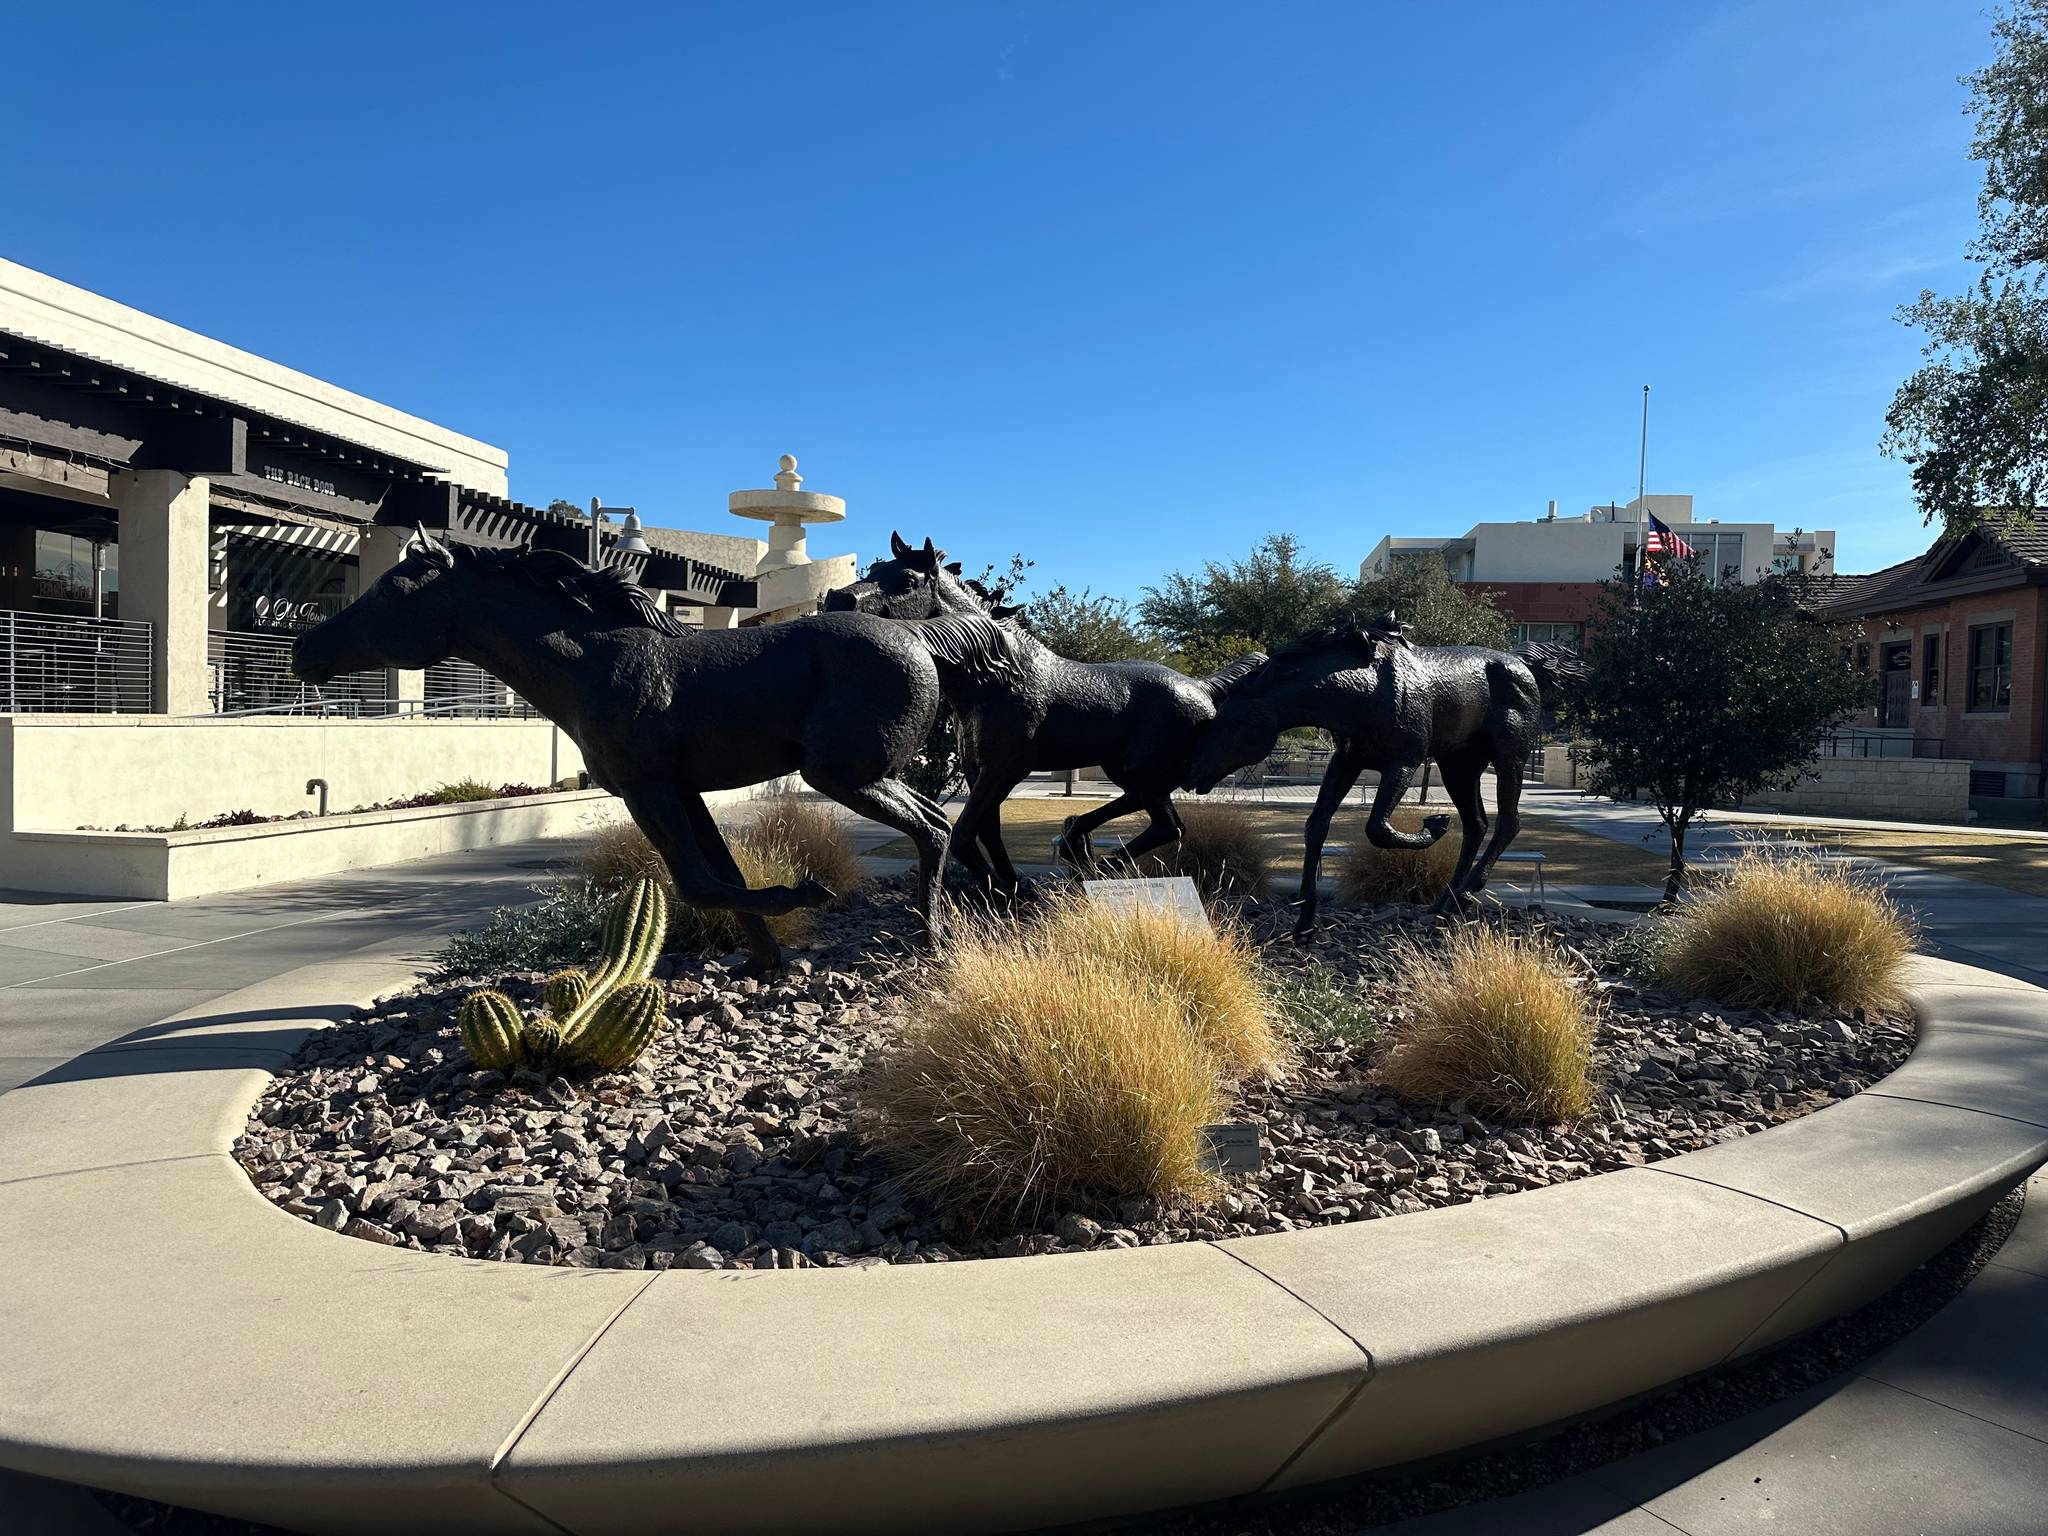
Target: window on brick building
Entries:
(1991, 666)
(1930, 669)
(1549, 634)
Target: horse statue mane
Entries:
(1362, 643)
(1231, 673)
(976, 644)
(607, 592)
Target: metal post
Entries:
(1642, 480)
(593, 532)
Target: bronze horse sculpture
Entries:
(1023, 708)
(1390, 706)
(663, 713)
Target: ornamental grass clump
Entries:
(620, 854)
(1498, 1021)
(1220, 849)
(1213, 975)
(1367, 874)
(814, 838)
(1034, 1074)
(1783, 930)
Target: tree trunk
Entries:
(1675, 881)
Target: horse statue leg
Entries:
(683, 832)
(1346, 764)
(1077, 833)
(1507, 773)
(1461, 773)
(917, 816)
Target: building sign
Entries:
(297, 481)
(283, 613)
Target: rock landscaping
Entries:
(731, 1142)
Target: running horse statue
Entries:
(1390, 705)
(1022, 707)
(663, 713)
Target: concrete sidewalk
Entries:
(1962, 920)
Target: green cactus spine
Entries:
(491, 1031)
(621, 1026)
(563, 991)
(633, 931)
(541, 1039)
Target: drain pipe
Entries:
(318, 787)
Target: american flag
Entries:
(1662, 541)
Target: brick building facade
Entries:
(1958, 640)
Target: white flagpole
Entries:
(1642, 480)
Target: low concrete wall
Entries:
(1888, 788)
(260, 1367)
(59, 772)
(169, 866)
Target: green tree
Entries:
(1434, 609)
(1973, 420)
(1697, 694)
(1086, 627)
(1262, 602)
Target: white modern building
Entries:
(1546, 571)
(174, 510)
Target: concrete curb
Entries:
(165, 1331)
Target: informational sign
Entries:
(1173, 893)
(1232, 1148)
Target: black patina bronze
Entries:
(663, 713)
(1391, 705)
(1023, 708)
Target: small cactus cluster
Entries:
(602, 1019)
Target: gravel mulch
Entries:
(729, 1144)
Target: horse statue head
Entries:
(413, 615)
(1249, 716)
(915, 584)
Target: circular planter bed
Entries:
(730, 1144)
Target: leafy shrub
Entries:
(1495, 1020)
(1214, 976)
(461, 792)
(1367, 874)
(1220, 850)
(1315, 1001)
(1778, 930)
(1033, 1075)
(814, 838)
(562, 928)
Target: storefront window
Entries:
(1930, 669)
(63, 574)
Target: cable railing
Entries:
(252, 675)
(53, 663)
(463, 689)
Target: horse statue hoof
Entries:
(812, 893)
(1436, 826)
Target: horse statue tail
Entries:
(1556, 668)
(1219, 683)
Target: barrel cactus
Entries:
(541, 1039)
(633, 931)
(620, 1027)
(492, 1030)
(563, 991)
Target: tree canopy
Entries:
(1262, 602)
(1972, 422)
(1434, 609)
(1086, 627)
(1696, 694)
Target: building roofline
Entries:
(57, 314)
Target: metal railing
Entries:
(460, 688)
(252, 675)
(1878, 744)
(53, 663)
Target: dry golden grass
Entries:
(1370, 874)
(1221, 849)
(1214, 976)
(1497, 1021)
(1779, 929)
(1033, 1077)
(621, 854)
(814, 839)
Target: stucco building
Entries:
(173, 510)
(1546, 572)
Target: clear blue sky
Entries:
(1123, 287)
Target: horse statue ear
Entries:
(954, 567)
(428, 548)
(1005, 610)
(897, 547)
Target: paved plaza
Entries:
(1945, 1431)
